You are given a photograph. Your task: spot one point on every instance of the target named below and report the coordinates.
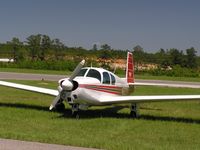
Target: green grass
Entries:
(169, 125)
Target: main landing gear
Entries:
(134, 110)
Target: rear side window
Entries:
(113, 80)
(94, 74)
(106, 78)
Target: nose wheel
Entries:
(75, 111)
(60, 107)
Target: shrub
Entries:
(43, 65)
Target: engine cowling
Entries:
(69, 85)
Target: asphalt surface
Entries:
(28, 76)
(165, 83)
(6, 144)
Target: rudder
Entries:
(130, 68)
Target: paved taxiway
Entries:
(6, 144)
(28, 76)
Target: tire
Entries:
(133, 114)
(60, 107)
(76, 115)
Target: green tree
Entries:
(45, 46)
(94, 48)
(138, 48)
(177, 57)
(139, 55)
(191, 58)
(16, 44)
(162, 58)
(34, 43)
(105, 52)
(58, 47)
(105, 47)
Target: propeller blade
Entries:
(67, 85)
(55, 101)
(77, 70)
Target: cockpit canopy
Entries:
(104, 76)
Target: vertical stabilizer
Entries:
(130, 68)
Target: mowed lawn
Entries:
(163, 125)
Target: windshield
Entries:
(94, 74)
(82, 72)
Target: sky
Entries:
(122, 24)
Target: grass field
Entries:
(168, 125)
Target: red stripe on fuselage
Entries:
(103, 88)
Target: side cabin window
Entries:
(94, 74)
(106, 78)
(113, 80)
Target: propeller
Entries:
(67, 85)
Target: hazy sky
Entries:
(123, 24)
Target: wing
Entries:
(140, 99)
(30, 88)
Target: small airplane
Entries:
(91, 86)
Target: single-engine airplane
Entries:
(90, 86)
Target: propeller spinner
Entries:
(67, 85)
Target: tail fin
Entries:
(130, 68)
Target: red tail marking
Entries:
(130, 68)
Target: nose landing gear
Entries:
(75, 111)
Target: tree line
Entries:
(41, 49)
(170, 57)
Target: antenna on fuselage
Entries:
(115, 69)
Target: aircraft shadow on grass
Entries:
(109, 112)
(24, 106)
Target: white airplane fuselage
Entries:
(91, 89)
